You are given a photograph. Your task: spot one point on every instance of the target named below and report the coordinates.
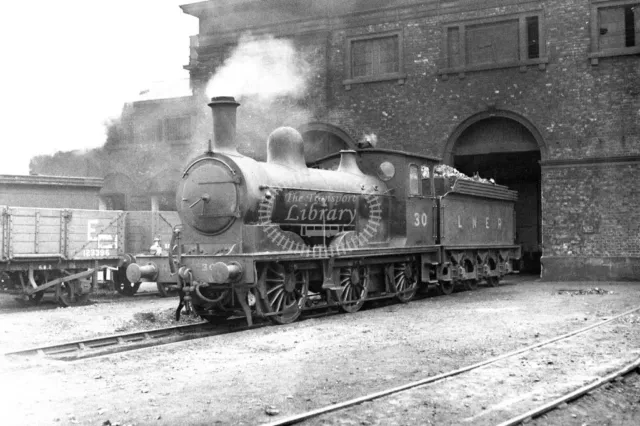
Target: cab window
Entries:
(414, 180)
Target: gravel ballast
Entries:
(264, 374)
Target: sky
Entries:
(70, 65)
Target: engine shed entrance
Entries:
(322, 139)
(507, 148)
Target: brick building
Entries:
(56, 192)
(145, 164)
(543, 96)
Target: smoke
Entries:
(263, 69)
(273, 81)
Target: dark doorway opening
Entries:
(319, 143)
(505, 150)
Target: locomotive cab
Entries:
(409, 179)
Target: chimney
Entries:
(348, 162)
(223, 109)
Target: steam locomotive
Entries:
(273, 239)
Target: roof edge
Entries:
(52, 180)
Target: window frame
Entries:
(418, 180)
(400, 75)
(166, 124)
(541, 61)
(595, 52)
(146, 131)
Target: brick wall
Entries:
(591, 221)
(579, 111)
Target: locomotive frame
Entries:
(249, 244)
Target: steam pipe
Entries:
(223, 109)
(219, 299)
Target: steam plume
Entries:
(262, 68)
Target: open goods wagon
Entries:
(58, 252)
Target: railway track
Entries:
(571, 396)
(90, 348)
(106, 345)
(529, 414)
(99, 346)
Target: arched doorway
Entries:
(321, 139)
(506, 147)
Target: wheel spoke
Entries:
(404, 282)
(352, 295)
(277, 272)
(279, 297)
(276, 288)
(273, 300)
(349, 294)
(280, 300)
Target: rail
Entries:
(98, 346)
(89, 348)
(297, 418)
(571, 395)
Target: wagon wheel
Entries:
(471, 284)
(21, 279)
(6, 282)
(492, 265)
(446, 287)
(493, 281)
(33, 299)
(122, 283)
(355, 287)
(405, 281)
(69, 293)
(286, 291)
(466, 266)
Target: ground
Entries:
(261, 375)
